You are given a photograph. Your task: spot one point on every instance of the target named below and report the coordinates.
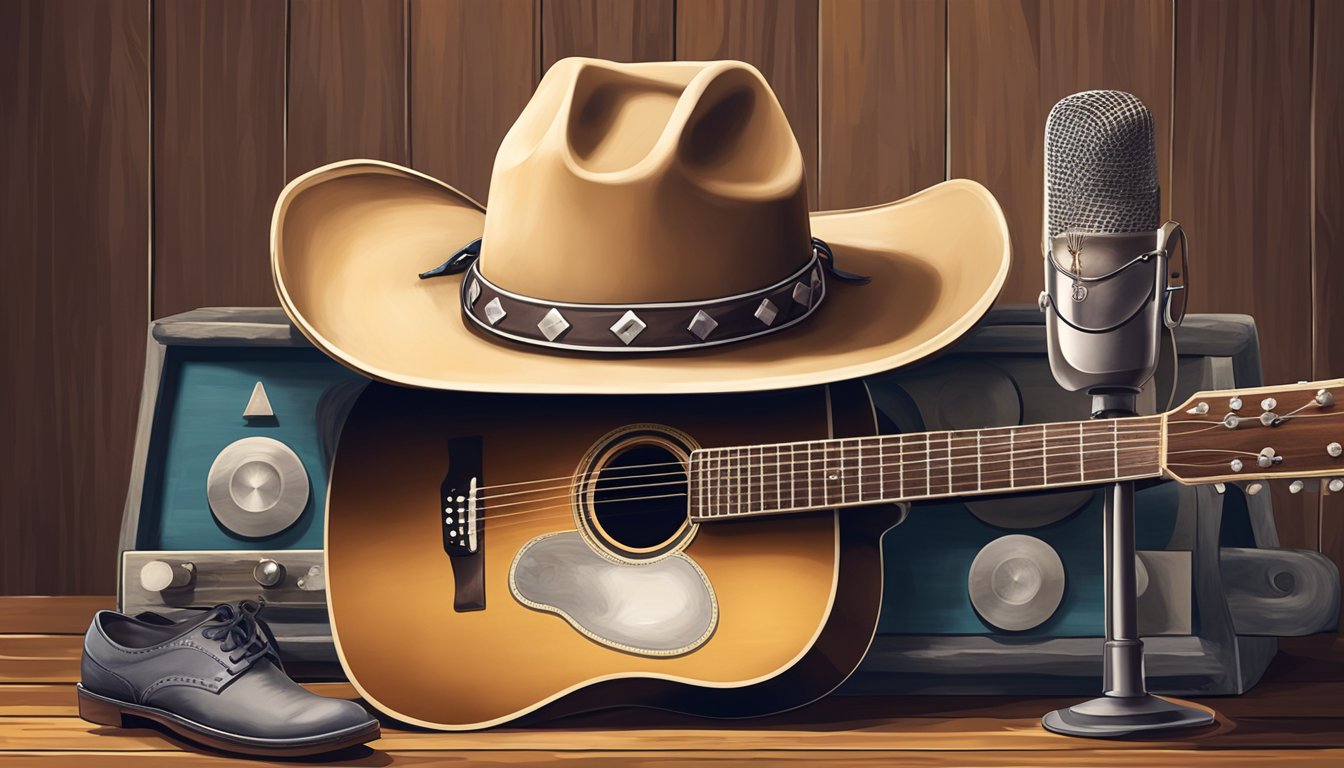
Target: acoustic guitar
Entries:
(495, 556)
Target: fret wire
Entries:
(1080, 452)
(928, 467)
(979, 482)
(949, 462)
(841, 449)
(1045, 471)
(858, 449)
(1012, 459)
(1115, 438)
(881, 475)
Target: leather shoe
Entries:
(216, 679)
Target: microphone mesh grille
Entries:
(1101, 165)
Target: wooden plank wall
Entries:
(146, 140)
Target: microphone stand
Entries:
(1125, 706)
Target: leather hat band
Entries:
(643, 327)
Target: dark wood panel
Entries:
(619, 30)
(883, 88)
(74, 303)
(1242, 185)
(219, 150)
(1010, 61)
(779, 39)
(473, 67)
(347, 82)
(1328, 242)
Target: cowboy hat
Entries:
(647, 233)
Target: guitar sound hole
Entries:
(639, 499)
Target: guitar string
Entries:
(941, 476)
(1131, 427)
(777, 462)
(533, 516)
(982, 459)
(832, 445)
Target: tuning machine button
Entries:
(1324, 397)
(159, 575)
(1254, 488)
(1199, 410)
(1269, 418)
(1236, 465)
(1231, 421)
(1267, 457)
(1335, 485)
(1234, 404)
(269, 573)
(1296, 486)
(1268, 404)
(1334, 449)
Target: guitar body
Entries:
(577, 597)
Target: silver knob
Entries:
(1268, 403)
(268, 573)
(1336, 485)
(1220, 488)
(1236, 465)
(158, 575)
(1254, 488)
(1324, 397)
(313, 581)
(1234, 403)
(1199, 410)
(1231, 421)
(1334, 449)
(1296, 486)
(1268, 418)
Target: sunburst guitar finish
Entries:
(757, 615)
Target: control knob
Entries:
(269, 573)
(158, 575)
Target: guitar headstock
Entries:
(1265, 433)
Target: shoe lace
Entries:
(240, 630)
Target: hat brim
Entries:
(349, 239)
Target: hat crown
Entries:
(644, 183)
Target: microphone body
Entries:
(1106, 259)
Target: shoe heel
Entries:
(98, 711)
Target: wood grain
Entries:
(1241, 186)
(1010, 61)
(1328, 241)
(219, 151)
(779, 39)
(24, 614)
(58, 699)
(473, 66)
(74, 303)
(1098, 757)
(607, 29)
(347, 82)
(883, 90)
(40, 658)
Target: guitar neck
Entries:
(779, 478)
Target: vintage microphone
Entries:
(1109, 293)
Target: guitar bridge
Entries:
(462, 521)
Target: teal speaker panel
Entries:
(203, 392)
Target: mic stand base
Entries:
(1125, 707)
(1109, 717)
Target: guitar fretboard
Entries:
(778, 478)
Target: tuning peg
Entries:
(1267, 457)
(1234, 404)
(1199, 410)
(1296, 486)
(1324, 397)
(1219, 488)
(1334, 449)
(1335, 485)
(1268, 404)
(1254, 488)
(1269, 418)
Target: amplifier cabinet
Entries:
(239, 416)
(1007, 594)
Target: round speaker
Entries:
(1016, 582)
(257, 487)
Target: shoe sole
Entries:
(106, 711)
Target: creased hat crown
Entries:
(640, 183)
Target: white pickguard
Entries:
(662, 608)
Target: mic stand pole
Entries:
(1125, 706)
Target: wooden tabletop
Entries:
(1294, 717)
